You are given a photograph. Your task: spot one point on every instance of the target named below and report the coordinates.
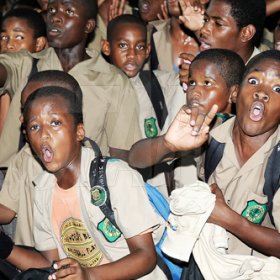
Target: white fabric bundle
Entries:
(190, 208)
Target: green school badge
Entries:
(150, 127)
(98, 195)
(110, 232)
(254, 212)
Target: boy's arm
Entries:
(260, 238)
(24, 258)
(119, 153)
(140, 261)
(6, 214)
(272, 7)
(189, 130)
(3, 75)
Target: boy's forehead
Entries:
(206, 65)
(124, 29)
(67, 2)
(219, 9)
(268, 65)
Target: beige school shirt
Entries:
(18, 191)
(133, 211)
(171, 88)
(109, 101)
(241, 185)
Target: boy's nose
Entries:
(261, 96)
(131, 53)
(55, 17)
(10, 44)
(44, 133)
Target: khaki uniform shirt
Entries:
(132, 210)
(17, 193)
(245, 184)
(109, 101)
(171, 88)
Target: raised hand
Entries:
(164, 11)
(192, 15)
(189, 130)
(116, 9)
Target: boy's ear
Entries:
(80, 132)
(233, 93)
(41, 43)
(90, 26)
(105, 47)
(247, 33)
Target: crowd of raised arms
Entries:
(139, 139)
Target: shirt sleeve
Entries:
(133, 211)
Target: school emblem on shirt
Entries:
(150, 127)
(98, 195)
(254, 212)
(110, 232)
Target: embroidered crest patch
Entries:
(110, 232)
(150, 127)
(98, 195)
(254, 212)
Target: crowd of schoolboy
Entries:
(120, 74)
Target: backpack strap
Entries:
(155, 94)
(213, 156)
(100, 194)
(154, 63)
(272, 178)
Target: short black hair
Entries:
(269, 54)
(34, 20)
(31, 4)
(91, 8)
(74, 107)
(230, 65)
(126, 19)
(247, 12)
(58, 78)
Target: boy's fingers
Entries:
(187, 57)
(198, 123)
(194, 116)
(211, 115)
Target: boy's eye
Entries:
(4, 37)
(70, 12)
(122, 45)
(219, 23)
(208, 83)
(252, 81)
(191, 83)
(56, 123)
(140, 47)
(51, 10)
(19, 37)
(277, 89)
(34, 127)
